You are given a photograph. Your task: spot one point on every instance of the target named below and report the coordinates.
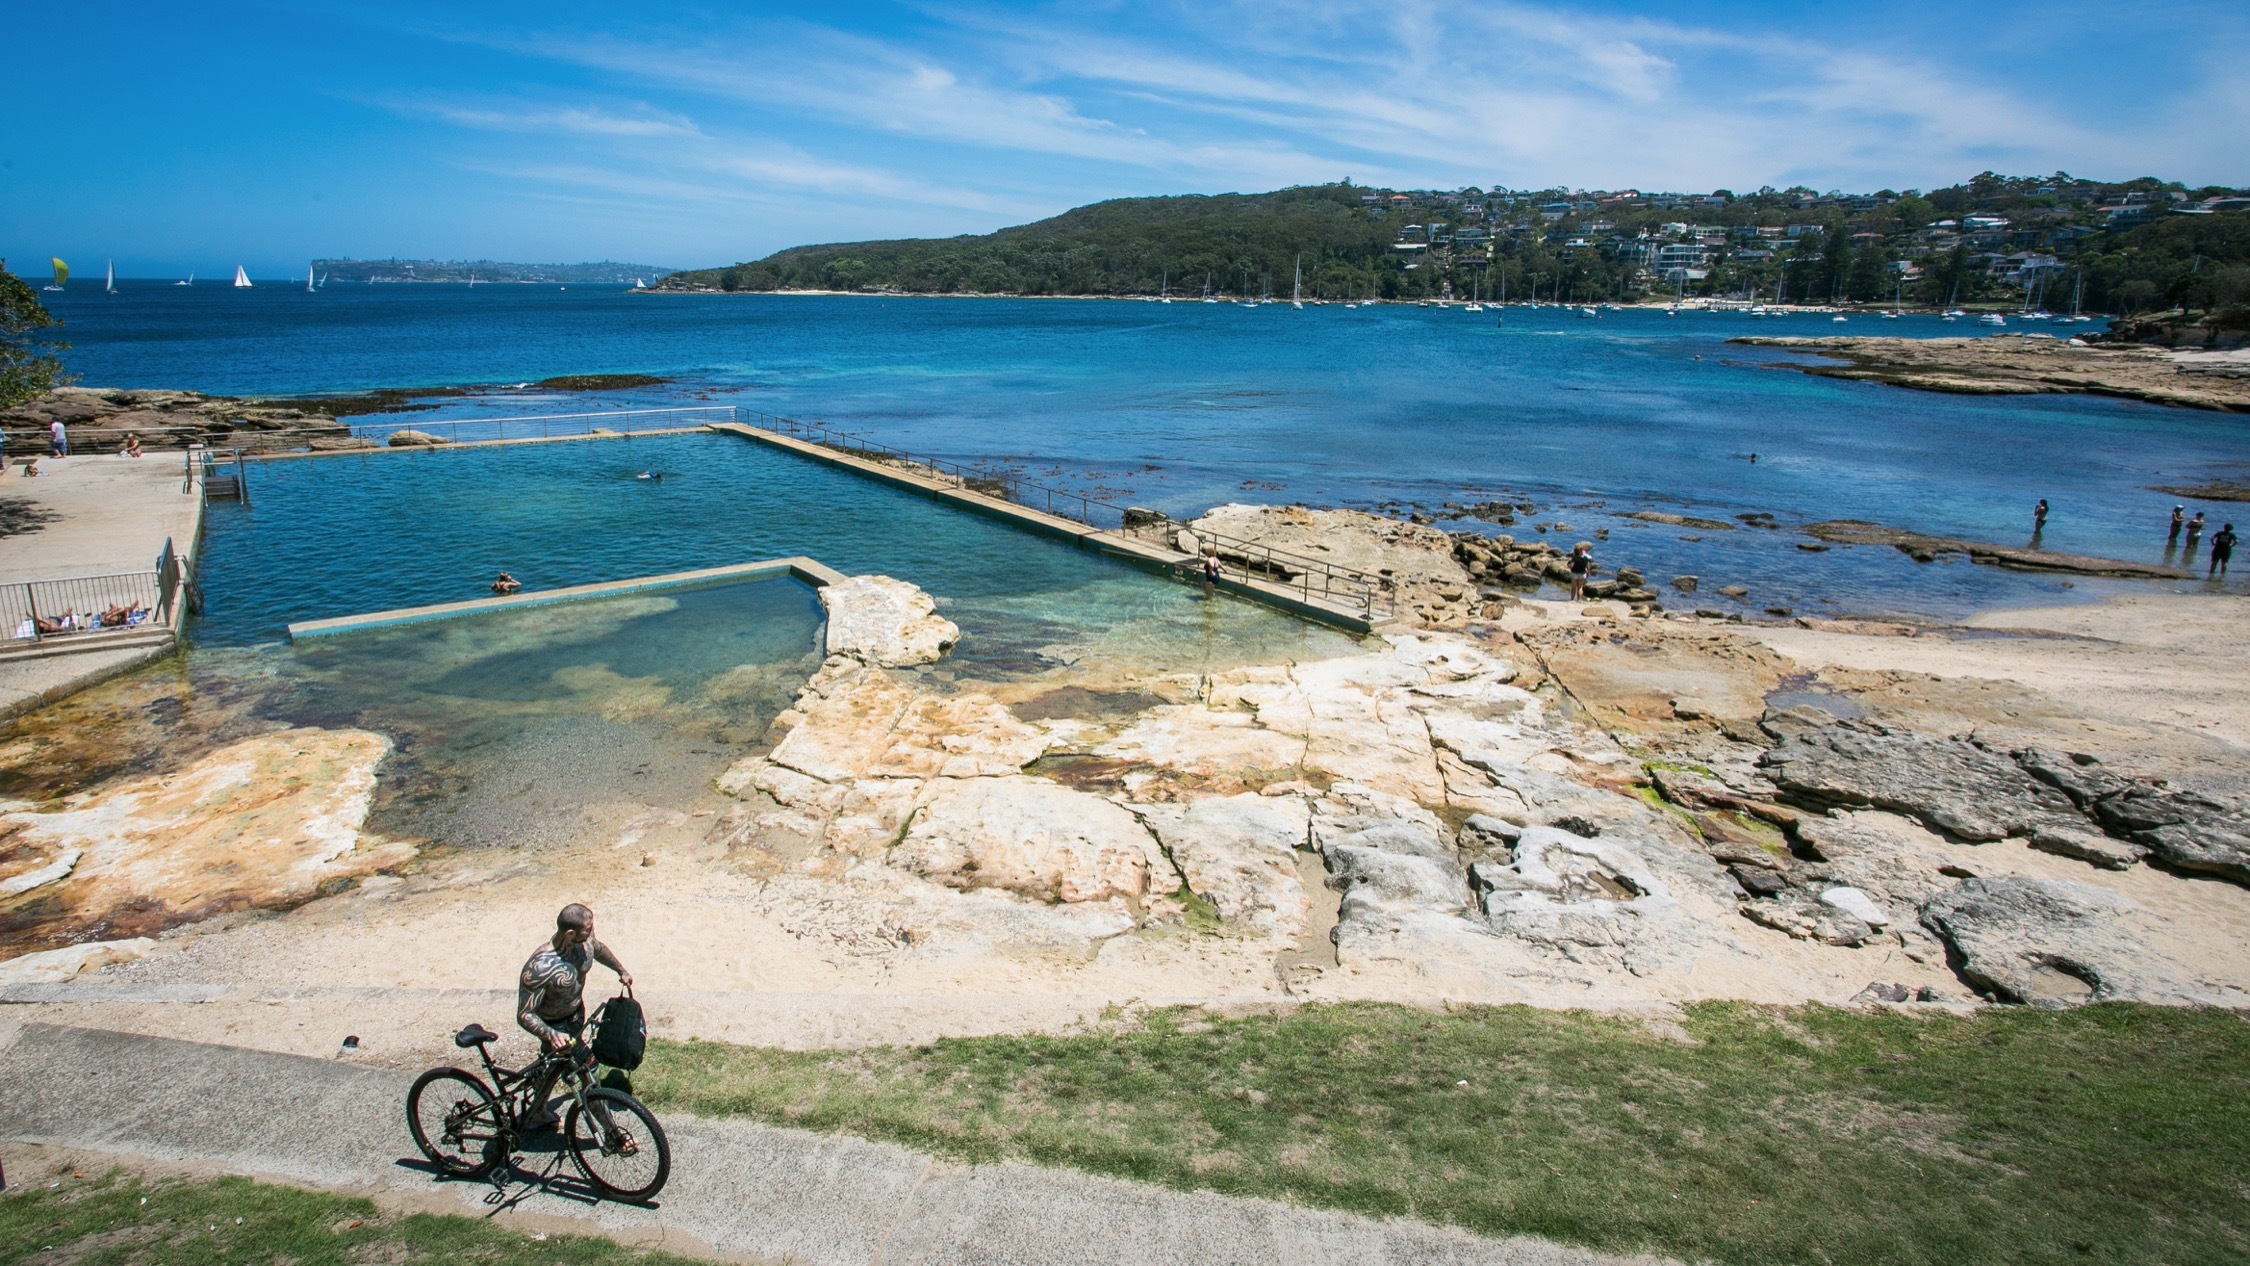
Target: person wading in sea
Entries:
(2039, 517)
(551, 993)
(2179, 520)
(2222, 549)
(1581, 567)
(2195, 533)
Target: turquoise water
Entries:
(1184, 405)
(510, 726)
(342, 535)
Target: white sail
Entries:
(308, 279)
(111, 285)
(241, 278)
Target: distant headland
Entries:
(606, 272)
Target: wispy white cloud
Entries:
(976, 112)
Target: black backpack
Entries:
(620, 1033)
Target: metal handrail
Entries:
(547, 422)
(1373, 594)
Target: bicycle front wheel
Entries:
(456, 1122)
(618, 1145)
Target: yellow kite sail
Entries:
(62, 274)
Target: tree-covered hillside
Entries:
(2137, 246)
(1236, 243)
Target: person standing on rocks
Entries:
(551, 992)
(2222, 549)
(1581, 567)
(2179, 520)
(58, 439)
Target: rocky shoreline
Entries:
(99, 418)
(1519, 801)
(2029, 364)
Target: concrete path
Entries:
(112, 515)
(739, 1188)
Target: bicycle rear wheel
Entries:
(456, 1122)
(627, 1155)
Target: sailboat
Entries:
(189, 282)
(323, 281)
(241, 278)
(1476, 294)
(1898, 299)
(1207, 296)
(1297, 287)
(1164, 288)
(110, 286)
(309, 286)
(62, 275)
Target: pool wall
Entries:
(1078, 534)
(811, 571)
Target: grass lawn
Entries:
(110, 1218)
(2112, 1133)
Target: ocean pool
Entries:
(526, 727)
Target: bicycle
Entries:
(469, 1131)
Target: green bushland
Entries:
(114, 1218)
(1744, 1134)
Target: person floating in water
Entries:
(2222, 549)
(506, 584)
(2179, 520)
(1753, 459)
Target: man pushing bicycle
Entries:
(550, 995)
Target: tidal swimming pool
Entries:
(518, 727)
(332, 536)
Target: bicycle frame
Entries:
(512, 1086)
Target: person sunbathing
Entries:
(121, 616)
(50, 625)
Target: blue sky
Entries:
(171, 136)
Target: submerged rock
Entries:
(885, 622)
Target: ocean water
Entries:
(1186, 405)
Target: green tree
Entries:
(28, 368)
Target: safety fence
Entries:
(1313, 579)
(546, 426)
(92, 607)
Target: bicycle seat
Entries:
(474, 1035)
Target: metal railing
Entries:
(547, 426)
(1314, 579)
(91, 607)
